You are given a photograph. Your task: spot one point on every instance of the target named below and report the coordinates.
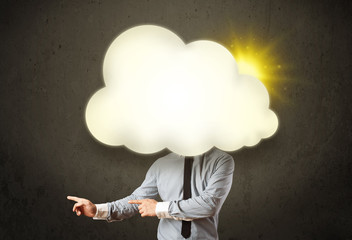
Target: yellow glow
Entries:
(248, 68)
(258, 58)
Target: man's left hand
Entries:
(146, 207)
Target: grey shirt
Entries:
(211, 182)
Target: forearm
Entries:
(121, 209)
(118, 210)
(205, 205)
(173, 210)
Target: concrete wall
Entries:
(295, 185)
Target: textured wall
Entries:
(295, 185)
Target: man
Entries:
(181, 217)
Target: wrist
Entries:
(94, 210)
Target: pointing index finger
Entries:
(77, 199)
(135, 202)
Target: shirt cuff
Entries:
(162, 210)
(102, 211)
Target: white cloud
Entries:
(162, 93)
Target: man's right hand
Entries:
(83, 206)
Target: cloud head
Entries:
(162, 93)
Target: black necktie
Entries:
(186, 225)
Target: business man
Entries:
(193, 190)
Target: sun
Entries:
(258, 59)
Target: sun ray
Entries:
(257, 58)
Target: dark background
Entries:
(295, 185)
